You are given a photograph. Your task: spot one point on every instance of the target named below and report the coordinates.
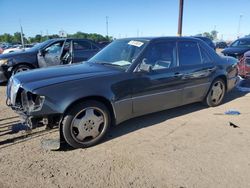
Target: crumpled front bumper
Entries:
(3, 77)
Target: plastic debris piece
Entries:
(19, 127)
(232, 112)
(51, 144)
(233, 125)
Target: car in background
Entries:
(237, 48)
(221, 45)
(49, 53)
(128, 78)
(207, 40)
(104, 43)
(17, 48)
(244, 65)
(5, 45)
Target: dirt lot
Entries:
(191, 146)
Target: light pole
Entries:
(239, 24)
(180, 17)
(107, 25)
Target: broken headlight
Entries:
(31, 102)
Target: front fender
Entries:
(60, 96)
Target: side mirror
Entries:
(144, 66)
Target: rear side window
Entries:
(205, 58)
(189, 53)
(94, 47)
(82, 45)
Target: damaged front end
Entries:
(28, 105)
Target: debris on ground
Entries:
(232, 112)
(50, 144)
(233, 125)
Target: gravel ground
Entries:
(190, 146)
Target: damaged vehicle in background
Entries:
(237, 48)
(49, 53)
(244, 65)
(128, 78)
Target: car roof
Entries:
(244, 38)
(59, 39)
(161, 38)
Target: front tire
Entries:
(86, 124)
(216, 93)
(20, 68)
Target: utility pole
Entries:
(22, 41)
(180, 17)
(239, 24)
(22, 36)
(107, 25)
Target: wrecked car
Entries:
(244, 65)
(129, 78)
(237, 48)
(49, 53)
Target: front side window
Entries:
(54, 48)
(161, 55)
(189, 53)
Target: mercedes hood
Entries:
(39, 78)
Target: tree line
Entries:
(16, 37)
(212, 35)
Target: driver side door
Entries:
(160, 88)
(50, 56)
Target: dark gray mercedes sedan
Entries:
(128, 78)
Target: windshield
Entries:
(120, 53)
(241, 43)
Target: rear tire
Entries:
(216, 93)
(86, 124)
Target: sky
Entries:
(126, 18)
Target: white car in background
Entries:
(17, 49)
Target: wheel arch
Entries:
(101, 99)
(23, 63)
(223, 77)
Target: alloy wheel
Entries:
(88, 125)
(217, 92)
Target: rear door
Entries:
(83, 50)
(196, 69)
